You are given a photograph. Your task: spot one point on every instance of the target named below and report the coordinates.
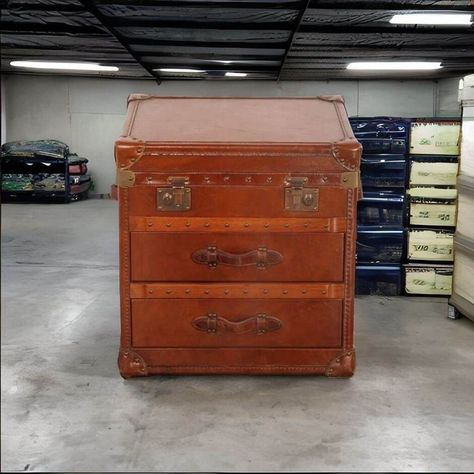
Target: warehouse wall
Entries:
(88, 113)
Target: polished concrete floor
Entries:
(409, 407)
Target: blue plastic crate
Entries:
(376, 244)
(381, 208)
(376, 279)
(381, 134)
(383, 171)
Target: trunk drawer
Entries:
(236, 323)
(201, 256)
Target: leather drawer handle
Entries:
(261, 258)
(256, 325)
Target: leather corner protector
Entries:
(342, 366)
(131, 364)
(332, 98)
(125, 178)
(137, 96)
(346, 154)
(128, 152)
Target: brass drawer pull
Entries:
(256, 325)
(261, 257)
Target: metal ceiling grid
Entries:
(282, 39)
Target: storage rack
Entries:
(24, 165)
(34, 165)
(381, 212)
(431, 206)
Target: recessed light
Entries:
(432, 19)
(63, 66)
(236, 74)
(173, 69)
(395, 66)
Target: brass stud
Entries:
(248, 179)
(187, 291)
(168, 225)
(150, 224)
(269, 179)
(226, 225)
(285, 292)
(207, 179)
(226, 292)
(305, 225)
(150, 291)
(246, 224)
(206, 224)
(226, 179)
(304, 291)
(168, 292)
(324, 292)
(265, 291)
(324, 179)
(188, 224)
(246, 292)
(287, 225)
(206, 292)
(149, 178)
(266, 225)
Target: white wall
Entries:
(88, 113)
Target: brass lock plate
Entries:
(175, 198)
(301, 199)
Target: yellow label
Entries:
(432, 192)
(433, 214)
(433, 173)
(429, 138)
(427, 281)
(430, 245)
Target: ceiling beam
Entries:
(92, 8)
(299, 19)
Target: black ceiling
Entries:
(280, 39)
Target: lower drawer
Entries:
(237, 323)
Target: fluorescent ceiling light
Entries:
(175, 69)
(63, 66)
(395, 66)
(222, 61)
(432, 19)
(236, 74)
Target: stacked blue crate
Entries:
(381, 211)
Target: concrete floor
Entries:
(409, 407)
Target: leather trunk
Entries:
(237, 236)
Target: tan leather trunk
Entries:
(237, 236)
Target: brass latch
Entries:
(176, 197)
(299, 198)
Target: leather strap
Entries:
(256, 325)
(261, 257)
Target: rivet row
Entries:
(265, 291)
(227, 225)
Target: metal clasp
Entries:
(299, 198)
(177, 197)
